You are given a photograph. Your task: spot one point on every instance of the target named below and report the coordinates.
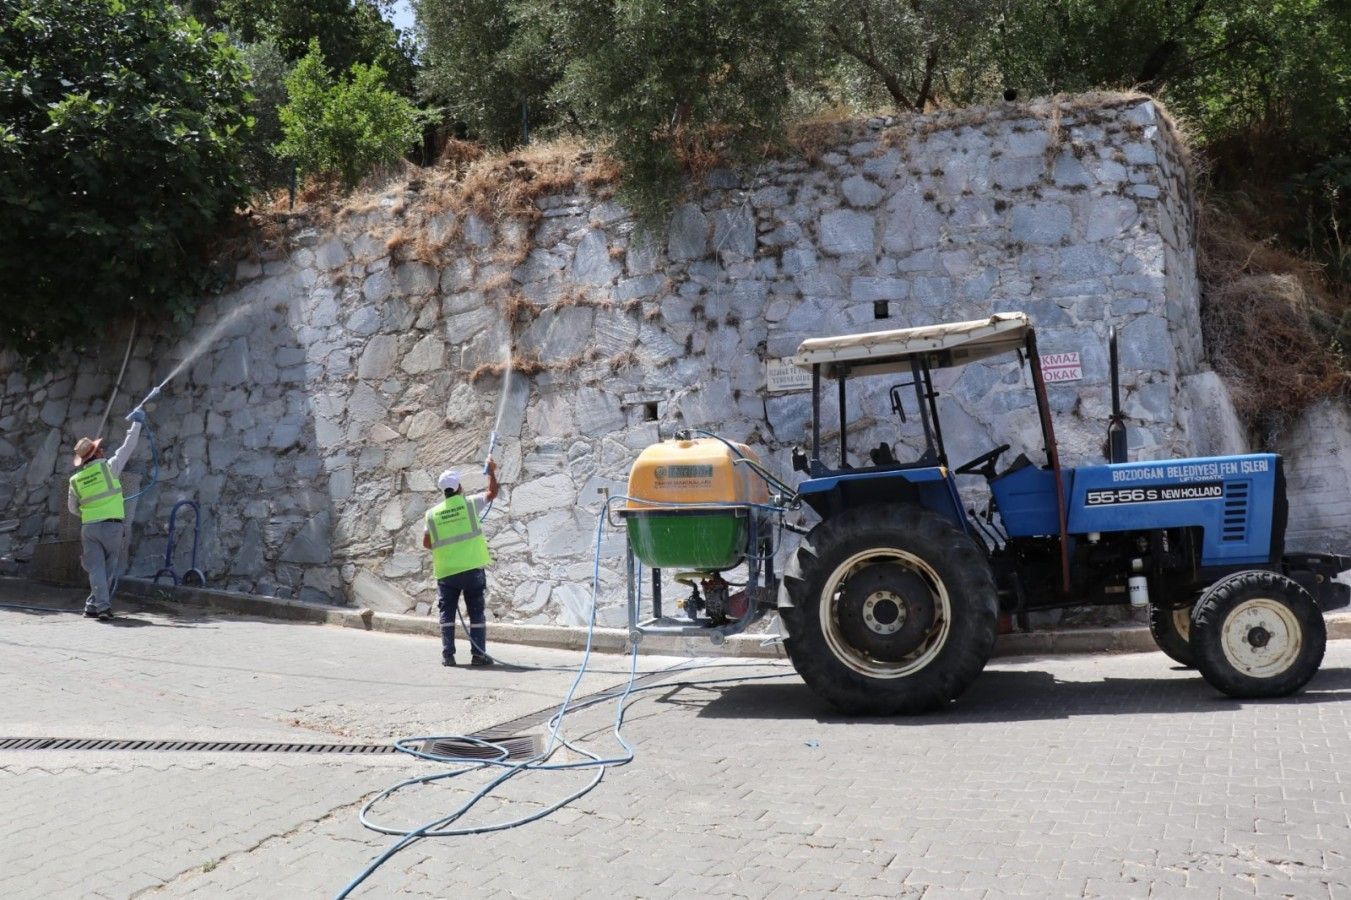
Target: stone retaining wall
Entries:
(343, 377)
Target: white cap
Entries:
(449, 480)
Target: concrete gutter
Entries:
(168, 598)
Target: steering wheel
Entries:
(983, 464)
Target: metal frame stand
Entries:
(169, 550)
(659, 624)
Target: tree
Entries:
(267, 94)
(348, 31)
(918, 51)
(344, 126)
(120, 132)
(486, 68)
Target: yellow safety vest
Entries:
(456, 536)
(98, 492)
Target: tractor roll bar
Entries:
(1052, 454)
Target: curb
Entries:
(168, 598)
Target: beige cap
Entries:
(85, 448)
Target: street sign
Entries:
(1061, 367)
(782, 377)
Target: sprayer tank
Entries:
(692, 503)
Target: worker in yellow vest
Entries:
(96, 497)
(459, 553)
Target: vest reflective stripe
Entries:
(456, 536)
(98, 493)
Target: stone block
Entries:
(1069, 171)
(377, 359)
(415, 278)
(688, 234)
(477, 232)
(366, 405)
(1145, 345)
(598, 412)
(1040, 223)
(734, 231)
(373, 592)
(591, 263)
(797, 261)
(1109, 217)
(423, 423)
(43, 463)
(1149, 402)
(427, 355)
(312, 544)
(860, 192)
(863, 289)
(377, 287)
(640, 286)
(844, 232)
(552, 492)
(54, 412)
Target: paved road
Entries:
(1084, 776)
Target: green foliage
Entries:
(675, 85)
(267, 90)
(120, 131)
(669, 85)
(909, 54)
(348, 31)
(345, 126)
(480, 65)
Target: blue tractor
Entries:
(891, 602)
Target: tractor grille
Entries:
(1235, 529)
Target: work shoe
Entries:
(90, 612)
(105, 615)
(448, 661)
(480, 659)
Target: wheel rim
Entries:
(1182, 622)
(1261, 638)
(884, 613)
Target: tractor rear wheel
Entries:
(1258, 634)
(888, 609)
(1171, 630)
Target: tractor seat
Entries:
(1022, 462)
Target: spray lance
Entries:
(150, 433)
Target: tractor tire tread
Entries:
(1167, 638)
(1208, 620)
(971, 589)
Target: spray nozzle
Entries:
(492, 442)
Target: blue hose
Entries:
(154, 463)
(539, 762)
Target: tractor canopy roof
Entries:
(941, 346)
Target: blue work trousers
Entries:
(472, 584)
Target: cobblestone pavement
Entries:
(1076, 777)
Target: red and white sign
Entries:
(1060, 367)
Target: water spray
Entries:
(492, 442)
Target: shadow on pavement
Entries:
(1008, 696)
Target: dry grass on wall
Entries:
(1270, 322)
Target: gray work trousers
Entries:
(101, 556)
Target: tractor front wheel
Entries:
(1257, 634)
(889, 609)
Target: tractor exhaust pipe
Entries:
(1116, 425)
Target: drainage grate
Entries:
(49, 743)
(522, 746)
(508, 734)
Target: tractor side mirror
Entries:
(799, 459)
